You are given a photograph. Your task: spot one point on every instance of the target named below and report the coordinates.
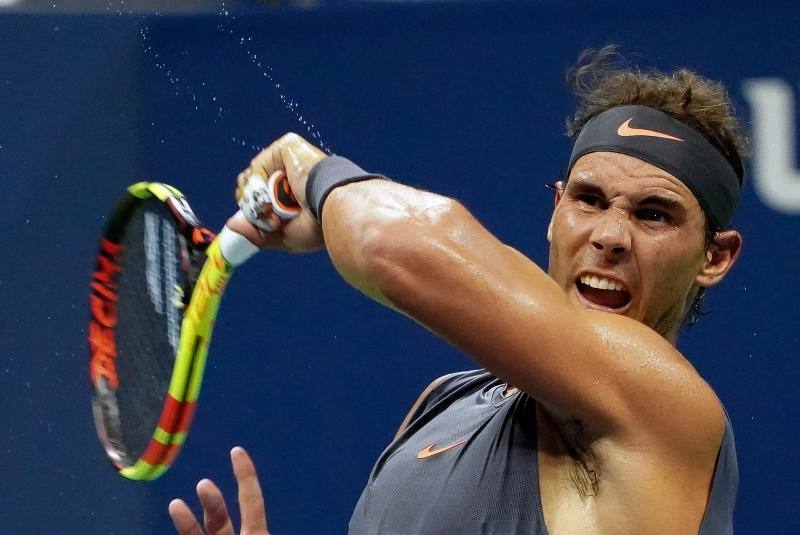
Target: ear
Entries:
(720, 257)
(559, 192)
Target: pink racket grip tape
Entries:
(274, 192)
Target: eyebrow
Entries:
(663, 201)
(587, 187)
(669, 203)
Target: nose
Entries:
(611, 236)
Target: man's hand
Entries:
(215, 513)
(295, 156)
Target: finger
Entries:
(293, 155)
(251, 501)
(266, 214)
(256, 201)
(215, 513)
(260, 238)
(269, 160)
(183, 518)
(299, 157)
(241, 182)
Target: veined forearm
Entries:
(426, 256)
(429, 258)
(364, 220)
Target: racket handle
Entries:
(235, 248)
(276, 192)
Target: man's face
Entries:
(626, 224)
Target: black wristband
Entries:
(329, 173)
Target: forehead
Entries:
(620, 174)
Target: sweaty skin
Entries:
(643, 221)
(612, 388)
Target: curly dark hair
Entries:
(602, 79)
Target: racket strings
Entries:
(151, 292)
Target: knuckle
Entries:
(290, 137)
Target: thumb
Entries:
(258, 237)
(299, 157)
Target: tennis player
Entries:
(584, 417)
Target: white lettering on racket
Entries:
(170, 283)
(153, 267)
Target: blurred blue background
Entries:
(463, 98)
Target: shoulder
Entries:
(441, 388)
(456, 382)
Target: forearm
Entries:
(426, 256)
(365, 219)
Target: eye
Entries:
(650, 214)
(591, 200)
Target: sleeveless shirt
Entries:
(467, 464)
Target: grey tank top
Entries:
(467, 464)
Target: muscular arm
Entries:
(427, 257)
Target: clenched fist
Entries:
(294, 156)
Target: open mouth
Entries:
(603, 292)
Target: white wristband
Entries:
(234, 247)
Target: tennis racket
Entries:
(154, 296)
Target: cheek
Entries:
(556, 239)
(562, 228)
(673, 270)
(564, 242)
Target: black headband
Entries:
(675, 147)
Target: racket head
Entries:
(150, 254)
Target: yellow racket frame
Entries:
(195, 337)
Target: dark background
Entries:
(466, 99)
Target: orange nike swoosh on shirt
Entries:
(625, 130)
(428, 450)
